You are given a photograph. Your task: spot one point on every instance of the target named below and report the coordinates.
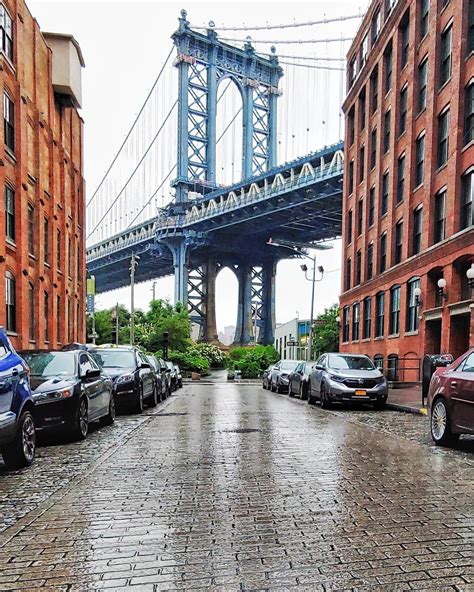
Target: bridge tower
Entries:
(203, 62)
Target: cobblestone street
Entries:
(230, 487)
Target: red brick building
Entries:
(409, 183)
(42, 260)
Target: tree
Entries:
(105, 325)
(163, 317)
(326, 332)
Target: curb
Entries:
(406, 409)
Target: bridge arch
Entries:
(227, 297)
(229, 130)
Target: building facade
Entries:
(409, 184)
(42, 259)
(294, 332)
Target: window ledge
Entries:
(11, 155)
(10, 243)
(411, 333)
(420, 113)
(394, 336)
(47, 265)
(467, 146)
(403, 133)
(31, 256)
(418, 187)
(445, 84)
(7, 60)
(443, 166)
(365, 340)
(399, 203)
(381, 338)
(12, 333)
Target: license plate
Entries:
(361, 393)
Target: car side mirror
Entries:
(319, 367)
(91, 373)
(144, 366)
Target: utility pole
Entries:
(154, 290)
(310, 345)
(117, 325)
(133, 265)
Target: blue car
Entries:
(17, 410)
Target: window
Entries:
(375, 26)
(383, 252)
(373, 148)
(424, 15)
(402, 123)
(361, 164)
(6, 32)
(374, 90)
(378, 362)
(469, 113)
(404, 40)
(31, 311)
(420, 160)
(70, 320)
(470, 27)
(362, 110)
(392, 367)
(422, 84)
(349, 226)
(364, 50)
(440, 217)
(352, 71)
(355, 321)
(380, 314)
(345, 324)
(360, 215)
(58, 248)
(386, 132)
(9, 122)
(445, 56)
(46, 240)
(371, 206)
(467, 200)
(387, 59)
(400, 179)
(31, 229)
(385, 184)
(412, 305)
(394, 319)
(398, 242)
(10, 302)
(70, 256)
(358, 268)
(389, 4)
(417, 229)
(9, 213)
(46, 315)
(350, 126)
(367, 324)
(348, 273)
(351, 177)
(443, 137)
(58, 319)
(370, 261)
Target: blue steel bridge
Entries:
(208, 226)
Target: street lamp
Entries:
(441, 289)
(311, 279)
(417, 296)
(470, 276)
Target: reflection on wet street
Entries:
(229, 487)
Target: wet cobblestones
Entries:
(246, 491)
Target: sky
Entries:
(125, 43)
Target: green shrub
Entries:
(251, 361)
(212, 353)
(188, 361)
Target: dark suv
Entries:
(17, 411)
(132, 377)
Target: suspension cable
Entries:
(134, 170)
(316, 67)
(284, 25)
(131, 128)
(286, 41)
(311, 58)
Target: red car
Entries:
(451, 400)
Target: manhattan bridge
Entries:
(216, 147)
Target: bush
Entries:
(212, 353)
(251, 361)
(188, 361)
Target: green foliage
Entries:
(251, 361)
(326, 336)
(211, 353)
(105, 325)
(189, 361)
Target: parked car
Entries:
(266, 377)
(166, 374)
(132, 376)
(160, 381)
(179, 377)
(451, 400)
(173, 381)
(280, 375)
(70, 391)
(17, 410)
(299, 380)
(347, 377)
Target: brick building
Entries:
(42, 211)
(409, 183)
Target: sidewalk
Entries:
(406, 399)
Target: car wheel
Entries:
(138, 405)
(440, 423)
(325, 402)
(109, 419)
(81, 421)
(153, 399)
(21, 452)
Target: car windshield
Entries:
(288, 365)
(350, 363)
(114, 358)
(49, 364)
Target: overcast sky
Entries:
(124, 44)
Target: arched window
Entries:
(10, 301)
(31, 311)
(412, 320)
(392, 367)
(378, 362)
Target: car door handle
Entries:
(454, 383)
